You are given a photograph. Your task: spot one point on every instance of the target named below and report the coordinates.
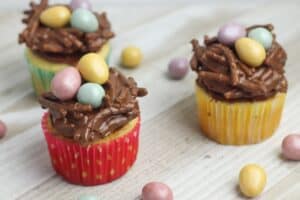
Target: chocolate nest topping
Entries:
(224, 76)
(84, 124)
(62, 44)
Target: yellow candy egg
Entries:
(93, 68)
(250, 51)
(252, 180)
(131, 57)
(56, 16)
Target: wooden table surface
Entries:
(172, 148)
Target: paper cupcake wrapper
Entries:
(95, 164)
(43, 71)
(238, 123)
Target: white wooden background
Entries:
(172, 149)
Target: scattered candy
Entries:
(2, 129)
(91, 93)
(252, 180)
(131, 57)
(291, 147)
(263, 36)
(56, 16)
(66, 83)
(86, 4)
(250, 51)
(93, 68)
(88, 197)
(156, 191)
(231, 32)
(84, 20)
(178, 68)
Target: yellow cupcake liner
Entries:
(238, 123)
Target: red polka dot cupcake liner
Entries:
(95, 164)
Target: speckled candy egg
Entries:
(231, 32)
(252, 180)
(91, 93)
(66, 83)
(93, 68)
(87, 197)
(178, 68)
(3, 129)
(291, 147)
(250, 51)
(262, 35)
(56, 16)
(86, 4)
(84, 20)
(156, 191)
(131, 57)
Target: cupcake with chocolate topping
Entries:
(56, 36)
(241, 85)
(93, 122)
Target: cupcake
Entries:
(92, 123)
(56, 36)
(241, 85)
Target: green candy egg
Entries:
(91, 93)
(263, 36)
(87, 197)
(84, 20)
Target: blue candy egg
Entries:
(84, 20)
(263, 36)
(88, 197)
(91, 93)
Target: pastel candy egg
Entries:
(178, 68)
(131, 57)
(56, 16)
(93, 68)
(87, 197)
(84, 20)
(3, 129)
(156, 191)
(252, 180)
(291, 147)
(263, 36)
(250, 51)
(86, 4)
(231, 32)
(66, 83)
(91, 93)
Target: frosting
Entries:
(223, 75)
(61, 44)
(85, 124)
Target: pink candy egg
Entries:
(3, 129)
(156, 191)
(66, 83)
(231, 32)
(291, 147)
(86, 4)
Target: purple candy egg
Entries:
(178, 68)
(157, 191)
(86, 4)
(231, 32)
(291, 147)
(2, 129)
(66, 83)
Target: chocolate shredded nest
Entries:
(224, 76)
(61, 42)
(85, 124)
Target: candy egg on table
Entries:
(3, 129)
(262, 35)
(291, 147)
(66, 83)
(231, 32)
(56, 16)
(84, 20)
(157, 191)
(178, 68)
(252, 180)
(131, 57)
(91, 93)
(250, 51)
(87, 197)
(93, 68)
(86, 4)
